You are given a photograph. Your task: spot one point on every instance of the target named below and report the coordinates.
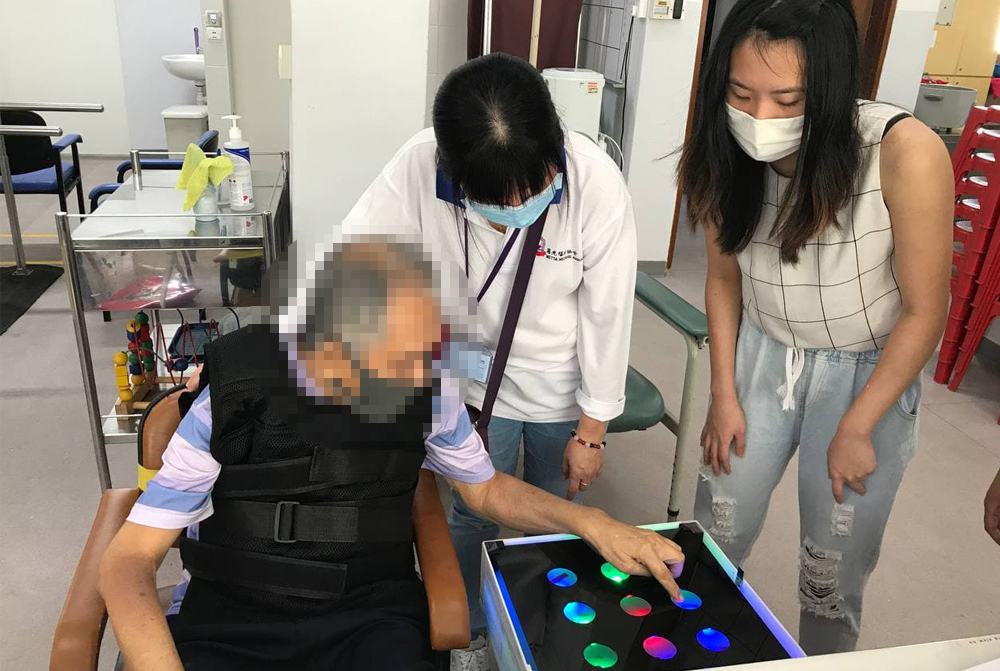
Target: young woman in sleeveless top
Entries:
(828, 226)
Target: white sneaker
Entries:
(472, 658)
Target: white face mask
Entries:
(765, 140)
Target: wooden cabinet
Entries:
(966, 48)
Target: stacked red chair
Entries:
(985, 308)
(976, 258)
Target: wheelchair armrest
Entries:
(77, 641)
(671, 308)
(66, 141)
(446, 601)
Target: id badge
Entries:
(484, 364)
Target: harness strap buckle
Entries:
(284, 515)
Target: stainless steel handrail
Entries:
(51, 131)
(8, 186)
(52, 107)
(136, 161)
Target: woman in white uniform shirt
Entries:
(497, 156)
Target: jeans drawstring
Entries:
(795, 361)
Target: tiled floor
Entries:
(937, 577)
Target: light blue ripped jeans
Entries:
(839, 543)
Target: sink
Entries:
(186, 66)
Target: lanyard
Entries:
(509, 325)
(496, 267)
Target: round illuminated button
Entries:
(562, 577)
(713, 640)
(659, 647)
(579, 613)
(600, 656)
(691, 600)
(636, 606)
(613, 574)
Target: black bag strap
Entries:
(383, 521)
(293, 577)
(518, 291)
(327, 467)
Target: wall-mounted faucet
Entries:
(197, 42)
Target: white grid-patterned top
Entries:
(842, 293)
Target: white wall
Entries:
(912, 35)
(446, 43)
(256, 28)
(147, 30)
(60, 51)
(359, 88)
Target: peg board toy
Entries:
(138, 368)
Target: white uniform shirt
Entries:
(570, 351)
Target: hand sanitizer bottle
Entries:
(241, 180)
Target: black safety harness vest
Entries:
(312, 501)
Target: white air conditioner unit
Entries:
(577, 95)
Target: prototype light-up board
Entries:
(553, 604)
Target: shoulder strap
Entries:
(524, 265)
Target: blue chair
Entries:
(209, 143)
(36, 164)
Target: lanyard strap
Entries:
(524, 265)
(496, 267)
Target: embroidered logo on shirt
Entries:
(558, 255)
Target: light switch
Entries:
(214, 33)
(284, 61)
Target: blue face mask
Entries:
(522, 215)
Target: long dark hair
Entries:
(498, 134)
(725, 187)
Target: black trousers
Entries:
(390, 632)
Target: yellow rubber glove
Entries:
(198, 170)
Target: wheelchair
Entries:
(80, 628)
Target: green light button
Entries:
(600, 656)
(613, 574)
(579, 613)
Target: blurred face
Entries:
(412, 329)
(401, 357)
(767, 80)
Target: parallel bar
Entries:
(83, 347)
(15, 225)
(136, 169)
(53, 107)
(51, 131)
(112, 250)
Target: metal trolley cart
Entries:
(139, 251)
